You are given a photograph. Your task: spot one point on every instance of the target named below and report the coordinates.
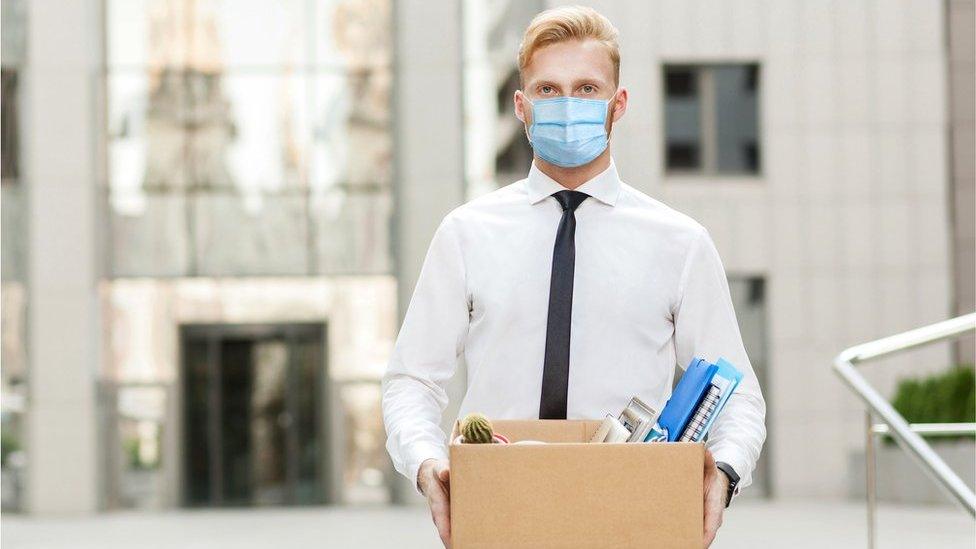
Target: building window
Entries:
(496, 150)
(748, 295)
(711, 115)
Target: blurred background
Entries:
(214, 213)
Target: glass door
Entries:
(252, 406)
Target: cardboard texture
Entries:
(571, 493)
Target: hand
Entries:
(434, 480)
(716, 488)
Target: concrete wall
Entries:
(848, 221)
(60, 120)
(962, 98)
(429, 175)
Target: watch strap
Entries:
(733, 480)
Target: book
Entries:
(724, 383)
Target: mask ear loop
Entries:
(610, 115)
(528, 129)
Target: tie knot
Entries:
(570, 200)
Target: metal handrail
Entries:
(899, 429)
(931, 429)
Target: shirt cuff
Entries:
(419, 453)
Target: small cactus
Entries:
(476, 429)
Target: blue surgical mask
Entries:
(569, 131)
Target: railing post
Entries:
(870, 472)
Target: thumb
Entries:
(709, 458)
(444, 474)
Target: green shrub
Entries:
(9, 444)
(949, 397)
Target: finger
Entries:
(441, 514)
(444, 474)
(712, 520)
(709, 463)
(709, 537)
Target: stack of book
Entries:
(696, 401)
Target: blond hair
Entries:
(568, 23)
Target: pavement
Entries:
(748, 524)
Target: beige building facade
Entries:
(273, 199)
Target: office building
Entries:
(214, 214)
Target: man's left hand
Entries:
(716, 487)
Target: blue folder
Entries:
(685, 397)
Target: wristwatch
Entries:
(733, 480)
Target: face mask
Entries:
(568, 131)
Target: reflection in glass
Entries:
(736, 124)
(9, 125)
(366, 460)
(228, 240)
(254, 413)
(141, 413)
(496, 150)
(351, 231)
(229, 127)
(13, 260)
(13, 394)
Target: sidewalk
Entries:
(791, 523)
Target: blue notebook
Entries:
(685, 398)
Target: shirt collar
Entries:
(604, 187)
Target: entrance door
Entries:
(252, 407)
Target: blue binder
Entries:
(685, 397)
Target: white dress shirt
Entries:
(649, 292)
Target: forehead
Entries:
(569, 61)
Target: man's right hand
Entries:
(434, 480)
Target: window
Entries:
(14, 377)
(496, 151)
(748, 295)
(248, 138)
(711, 115)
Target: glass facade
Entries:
(248, 138)
(248, 190)
(13, 280)
(496, 150)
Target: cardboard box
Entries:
(571, 493)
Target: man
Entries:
(567, 292)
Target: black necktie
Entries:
(555, 373)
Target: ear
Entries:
(618, 105)
(520, 106)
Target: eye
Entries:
(587, 88)
(546, 90)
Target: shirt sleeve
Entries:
(705, 326)
(425, 356)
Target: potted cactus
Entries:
(477, 429)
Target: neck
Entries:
(574, 177)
